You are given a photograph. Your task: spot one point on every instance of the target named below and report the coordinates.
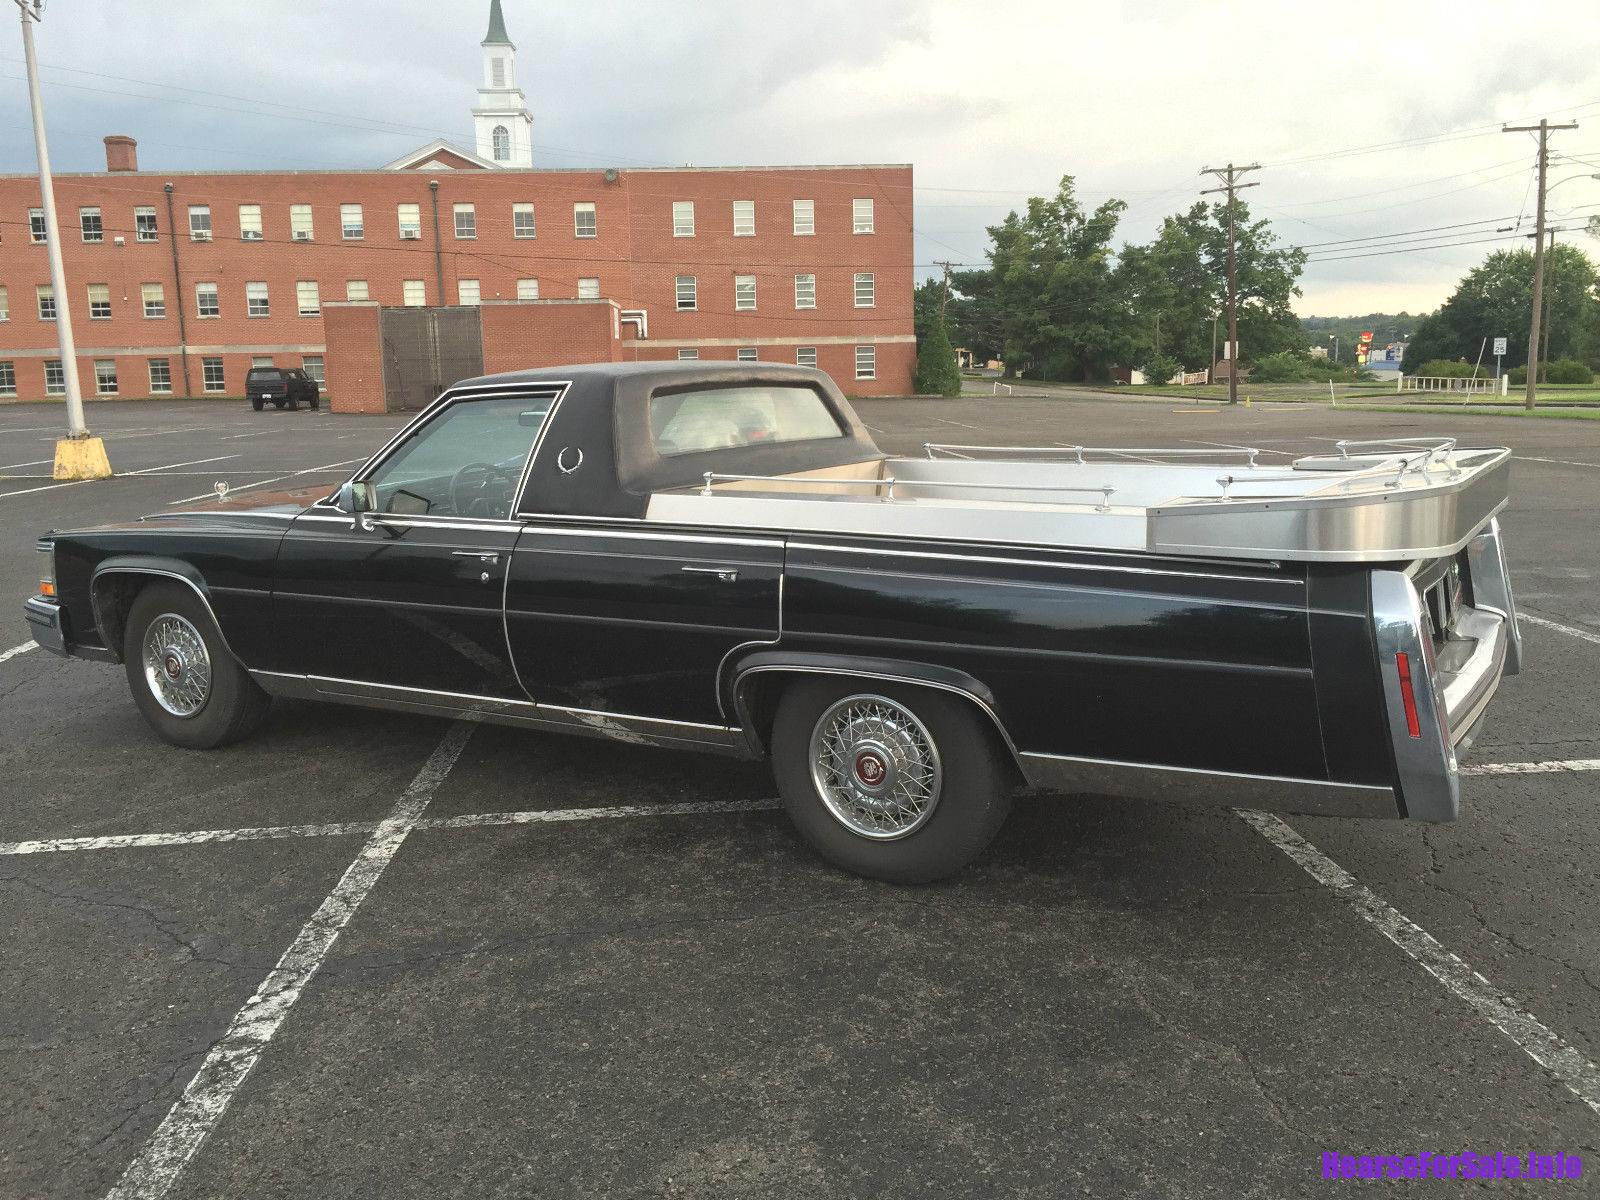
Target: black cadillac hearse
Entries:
(718, 557)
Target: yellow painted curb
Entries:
(81, 458)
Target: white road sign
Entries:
(1499, 347)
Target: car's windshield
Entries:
(465, 462)
(716, 418)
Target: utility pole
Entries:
(78, 456)
(944, 297)
(1230, 176)
(1543, 129)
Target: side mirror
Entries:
(354, 497)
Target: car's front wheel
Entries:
(889, 781)
(257, 403)
(185, 681)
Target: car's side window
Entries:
(464, 463)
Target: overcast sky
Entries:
(990, 102)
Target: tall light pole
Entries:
(78, 456)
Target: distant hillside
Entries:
(1385, 328)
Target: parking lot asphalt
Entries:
(444, 960)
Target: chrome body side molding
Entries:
(525, 714)
(1207, 789)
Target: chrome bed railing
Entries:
(1081, 454)
(889, 483)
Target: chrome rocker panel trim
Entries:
(524, 714)
(1197, 788)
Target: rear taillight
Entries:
(1408, 695)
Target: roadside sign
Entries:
(1499, 347)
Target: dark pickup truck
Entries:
(718, 557)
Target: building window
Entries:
(746, 354)
(144, 225)
(356, 289)
(313, 367)
(522, 220)
(866, 362)
(588, 289)
(744, 293)
(350, 224)
(300, 228)
(584, 222)
(410, 222)
(805, 291)
(501, 137)
(468, 291)
(683, 218)
(207, 302)
(154, 297)
(36, 226)
(89, 222)
(466, 221)
(99, 302)
(160, 376)
(866, 290)
(688, 295)
(199, 223)
(55, 379)
(744, 218)
(805, 356)
(250, 223)
(46, 298)
(805, 218)
(527, 289)
(255, 300)
(414, 293)
(105, 377)
(688, 355)
(5, 304)
(308, 298)
(8, 379)
(211, 377)
(260, 360)
(861, 216)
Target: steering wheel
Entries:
(470, 489)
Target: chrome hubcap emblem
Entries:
(875, 766)
(177, 668)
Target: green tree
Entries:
(1051, 287)
(1495, 300)
(925, 306)
(937, 374)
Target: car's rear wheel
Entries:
(184, 679)
(315, 402)
(257, 403)
(889, 781)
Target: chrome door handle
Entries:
(486, 556)
(725, 574)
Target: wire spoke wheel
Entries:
(876, 767)
(177, 666)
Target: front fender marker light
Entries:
(47, 587)
(1408, 696)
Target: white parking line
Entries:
(8, 655)
(1564, 1062)
(263, 482)
(123, 475)
(535, 817)
(193, 462)
(1554, 767)
(1546, 622)
(1564, 462)
(38, 462)
(138, 841)
(191, 1119)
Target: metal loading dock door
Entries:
(425, 350)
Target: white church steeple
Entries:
(501, 120)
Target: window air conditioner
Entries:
(200, 235)
(302, 235)
(411, 235)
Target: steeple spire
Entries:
(497, 27)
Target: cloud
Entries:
(1131, 98)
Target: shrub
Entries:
(937, 373)
(1159, 368)
(1284, 367)
(1566, 370)
(1517, 376)
(1439, 368)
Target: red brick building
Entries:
(180, 281)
